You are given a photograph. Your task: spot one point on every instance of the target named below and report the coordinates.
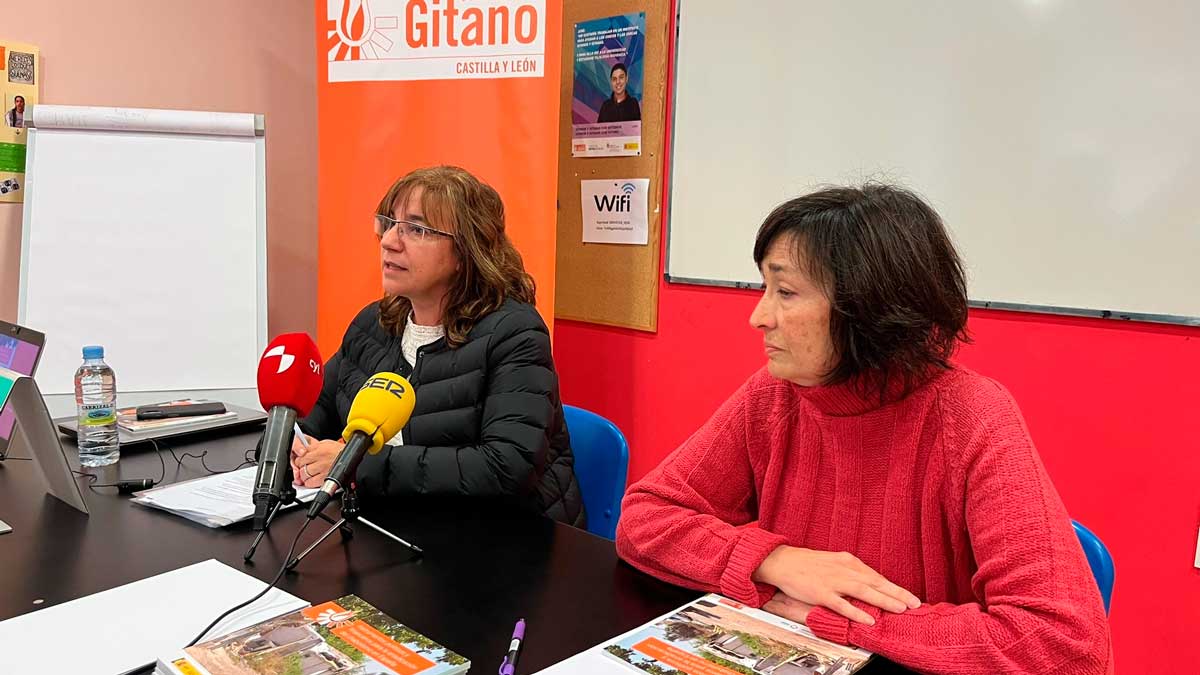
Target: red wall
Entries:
(1112, 406)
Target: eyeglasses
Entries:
(408, 230)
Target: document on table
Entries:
(129, 627)
(214, 501)
(714, 635)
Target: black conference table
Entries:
(481, 569)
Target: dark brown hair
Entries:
(491, 270)
(895, 284)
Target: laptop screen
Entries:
(19, 356)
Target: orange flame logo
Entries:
(353, 32)
(352, 29)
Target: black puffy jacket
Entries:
(488, 423)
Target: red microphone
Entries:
(289, 382)
(289, 374)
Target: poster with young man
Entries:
(18, 93)
(606, 107)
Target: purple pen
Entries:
(509, 667)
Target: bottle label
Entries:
(97, 415)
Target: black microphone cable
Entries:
(127, 487)
(282, 569)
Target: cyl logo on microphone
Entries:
(285, 359)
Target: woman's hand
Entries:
(826, 579)
(298, 447)
(788, 607)
(310, 465)
(299, 441)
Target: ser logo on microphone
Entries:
(391, 386)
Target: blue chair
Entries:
(601, 465)
(1099, 560)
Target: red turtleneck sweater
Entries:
(941, 492)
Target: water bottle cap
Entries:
(93, 352)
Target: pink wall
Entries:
(228, 55)
(1113, 408)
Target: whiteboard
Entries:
(145, 231)
(1058, 139)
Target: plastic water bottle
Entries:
(96, 403)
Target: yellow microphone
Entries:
(380, 409)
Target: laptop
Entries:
(242, 419)
(20, 351)
(32, 437)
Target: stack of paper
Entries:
(214, 501)
(125, 629)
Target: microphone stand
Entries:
(287, 498)
(350, 515)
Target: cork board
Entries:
(612, 284)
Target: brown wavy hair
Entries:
(895, 283)
(491, 269)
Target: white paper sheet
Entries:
(129, 627)
(615, 210)
(215, 501)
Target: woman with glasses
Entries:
(457, 319)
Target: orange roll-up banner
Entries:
(403, 84)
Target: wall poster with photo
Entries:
(606, 106)
(19, 81)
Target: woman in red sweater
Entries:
(863, 484)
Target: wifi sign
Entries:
(616, 203)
